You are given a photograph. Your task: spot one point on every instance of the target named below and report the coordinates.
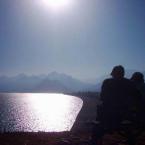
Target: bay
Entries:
(33, 112)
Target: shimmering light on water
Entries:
(38, 112)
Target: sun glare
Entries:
(56, 4)
(57, 111)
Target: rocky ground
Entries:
(65, 138)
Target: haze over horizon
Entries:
(85, 41)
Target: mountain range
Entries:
(53, 82)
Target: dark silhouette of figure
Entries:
(118, 96)
(138, 80)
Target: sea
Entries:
(38, 112)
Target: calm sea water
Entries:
(33, 112)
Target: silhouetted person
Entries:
(138, 80)
(117, 96)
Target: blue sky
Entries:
(86, 40)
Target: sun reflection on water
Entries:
(54, 112)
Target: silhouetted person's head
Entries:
(138, 77)
(118, 72)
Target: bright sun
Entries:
(56, 4)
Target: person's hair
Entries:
(137, 77)
(118, 72)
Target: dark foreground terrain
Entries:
(64, 138)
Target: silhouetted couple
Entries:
(122, 99)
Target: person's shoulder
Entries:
(126, 79)
(108, 80)
(128, 82)
(143, 86)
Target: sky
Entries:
(85, 39)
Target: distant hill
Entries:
(53, 82)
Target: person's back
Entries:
(117, 95)
(138, 81)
